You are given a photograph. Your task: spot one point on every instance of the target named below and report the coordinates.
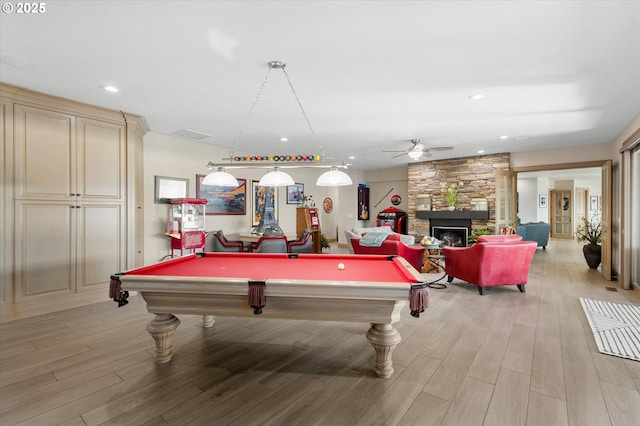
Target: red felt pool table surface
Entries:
(277, 266)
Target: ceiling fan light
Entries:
(415, 154)
(334, 177)
(276, 178)
(220, 178)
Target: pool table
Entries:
(372, 289)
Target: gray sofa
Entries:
(535, 231)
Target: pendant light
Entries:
(220, 178)
(334, 177)
(276, 178)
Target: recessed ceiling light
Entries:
(476, 97)
(504, 137)
(351, 157)
(283, 139)
(109, 88)
(481, 151)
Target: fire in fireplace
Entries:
(451, 235)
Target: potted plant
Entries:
(451, 194)
(476, 233)
(324, 242)
(589, 231)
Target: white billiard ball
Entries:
(340, 265)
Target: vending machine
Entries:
(394, 218)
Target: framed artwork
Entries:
(259, 196)
(327, 205)
(363, 203)
(222, 199)
(294, 193)
(169, 187)
(542, 201)
(593, 203)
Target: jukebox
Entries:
(396, 219)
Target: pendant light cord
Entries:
(280, 65)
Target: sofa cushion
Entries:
(498, 238)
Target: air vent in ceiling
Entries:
(190, 134)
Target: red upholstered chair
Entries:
(504, 238)
(220, 243)
(392, 245)
(273, 243)
(491, 264)
(304, 244)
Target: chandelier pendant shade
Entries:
(334, 177)
(276, 178)
(220, 178)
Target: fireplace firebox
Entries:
(454, 236)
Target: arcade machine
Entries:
(395, 218)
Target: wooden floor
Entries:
(505, 358)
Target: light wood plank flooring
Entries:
(505, 358)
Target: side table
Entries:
(433, 262)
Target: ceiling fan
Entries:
(419, 149)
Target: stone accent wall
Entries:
(478, 175)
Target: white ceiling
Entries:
(371, 75)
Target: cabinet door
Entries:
(44, 153)
(101, 160)
(44, 246)
(101, 244)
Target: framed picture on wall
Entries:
(542, 201)
(261, 198)
(222, 199)
(294, 193)
(593, 203)
(169, 187)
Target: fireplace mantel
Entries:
(453, 214)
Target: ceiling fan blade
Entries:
(396, 151)
(399, 155)
(440, 148)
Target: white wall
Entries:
(528, 199)
(183, 158)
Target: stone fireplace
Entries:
(427, 178)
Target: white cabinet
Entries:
(73, 186)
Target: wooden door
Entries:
(100, 242)
(44, 243)
(45, 149)
(561, 213)
(581, 203)
(101, 160)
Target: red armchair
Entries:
(392, 245)
(491, 264)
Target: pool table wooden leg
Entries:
(384, 339)
(161, 329)
(208, 320)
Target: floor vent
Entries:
(611, 289)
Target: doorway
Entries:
(603, 206)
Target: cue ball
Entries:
(340, 265)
